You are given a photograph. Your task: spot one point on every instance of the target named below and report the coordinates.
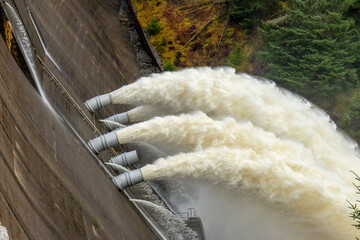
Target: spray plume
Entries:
(198, 132)
(142, 113)
(300, 188)
(176, 227)
(265, 141)
(221, 92)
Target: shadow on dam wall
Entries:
(51, 185)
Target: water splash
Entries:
(221, 92)
(146, 112)
(3, 233)
(28, 51)
(253, 137)
(25, 45)
(175, 225)
(303, 189)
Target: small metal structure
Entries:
(190, 214)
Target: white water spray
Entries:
(245, 216)
(141, 113)
(25, 45)
(302, 189)
(175, 225)
(221, 92)
(146, 112)
(47, 53)
(3, 233)
(199, 132)
(28, 52)
(264, 141)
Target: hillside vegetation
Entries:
(311, 47)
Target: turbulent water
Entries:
(252, 137)
(3, 233)
(176, 228)
(145, 112)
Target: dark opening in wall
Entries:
(9, 38)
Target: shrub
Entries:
(236, 56)
(355, 211)
(248, 12)
(153, 26)
(169, 66)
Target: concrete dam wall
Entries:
(51, 185)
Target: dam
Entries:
(51, 184)
(98, 143)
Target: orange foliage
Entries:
(180, 22)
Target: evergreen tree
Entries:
(315, 51)
(352, 9)
(248, 12)
(153, 26)
(355, 211)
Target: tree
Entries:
(169, 66)
(355, 211)
(350, 118)
(248, 12)
(352, 8)
(315, 51)
(236, 56)
(153, 26)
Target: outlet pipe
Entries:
(128, 179)
(104, 142)
(121, 118)
(125, 159)
(98, 102)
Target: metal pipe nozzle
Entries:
(98, 102)
(121, 118)
(103, 142)
(125, 159)
(128, 179)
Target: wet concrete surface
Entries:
(51, 185)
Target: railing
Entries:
(190, 214)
